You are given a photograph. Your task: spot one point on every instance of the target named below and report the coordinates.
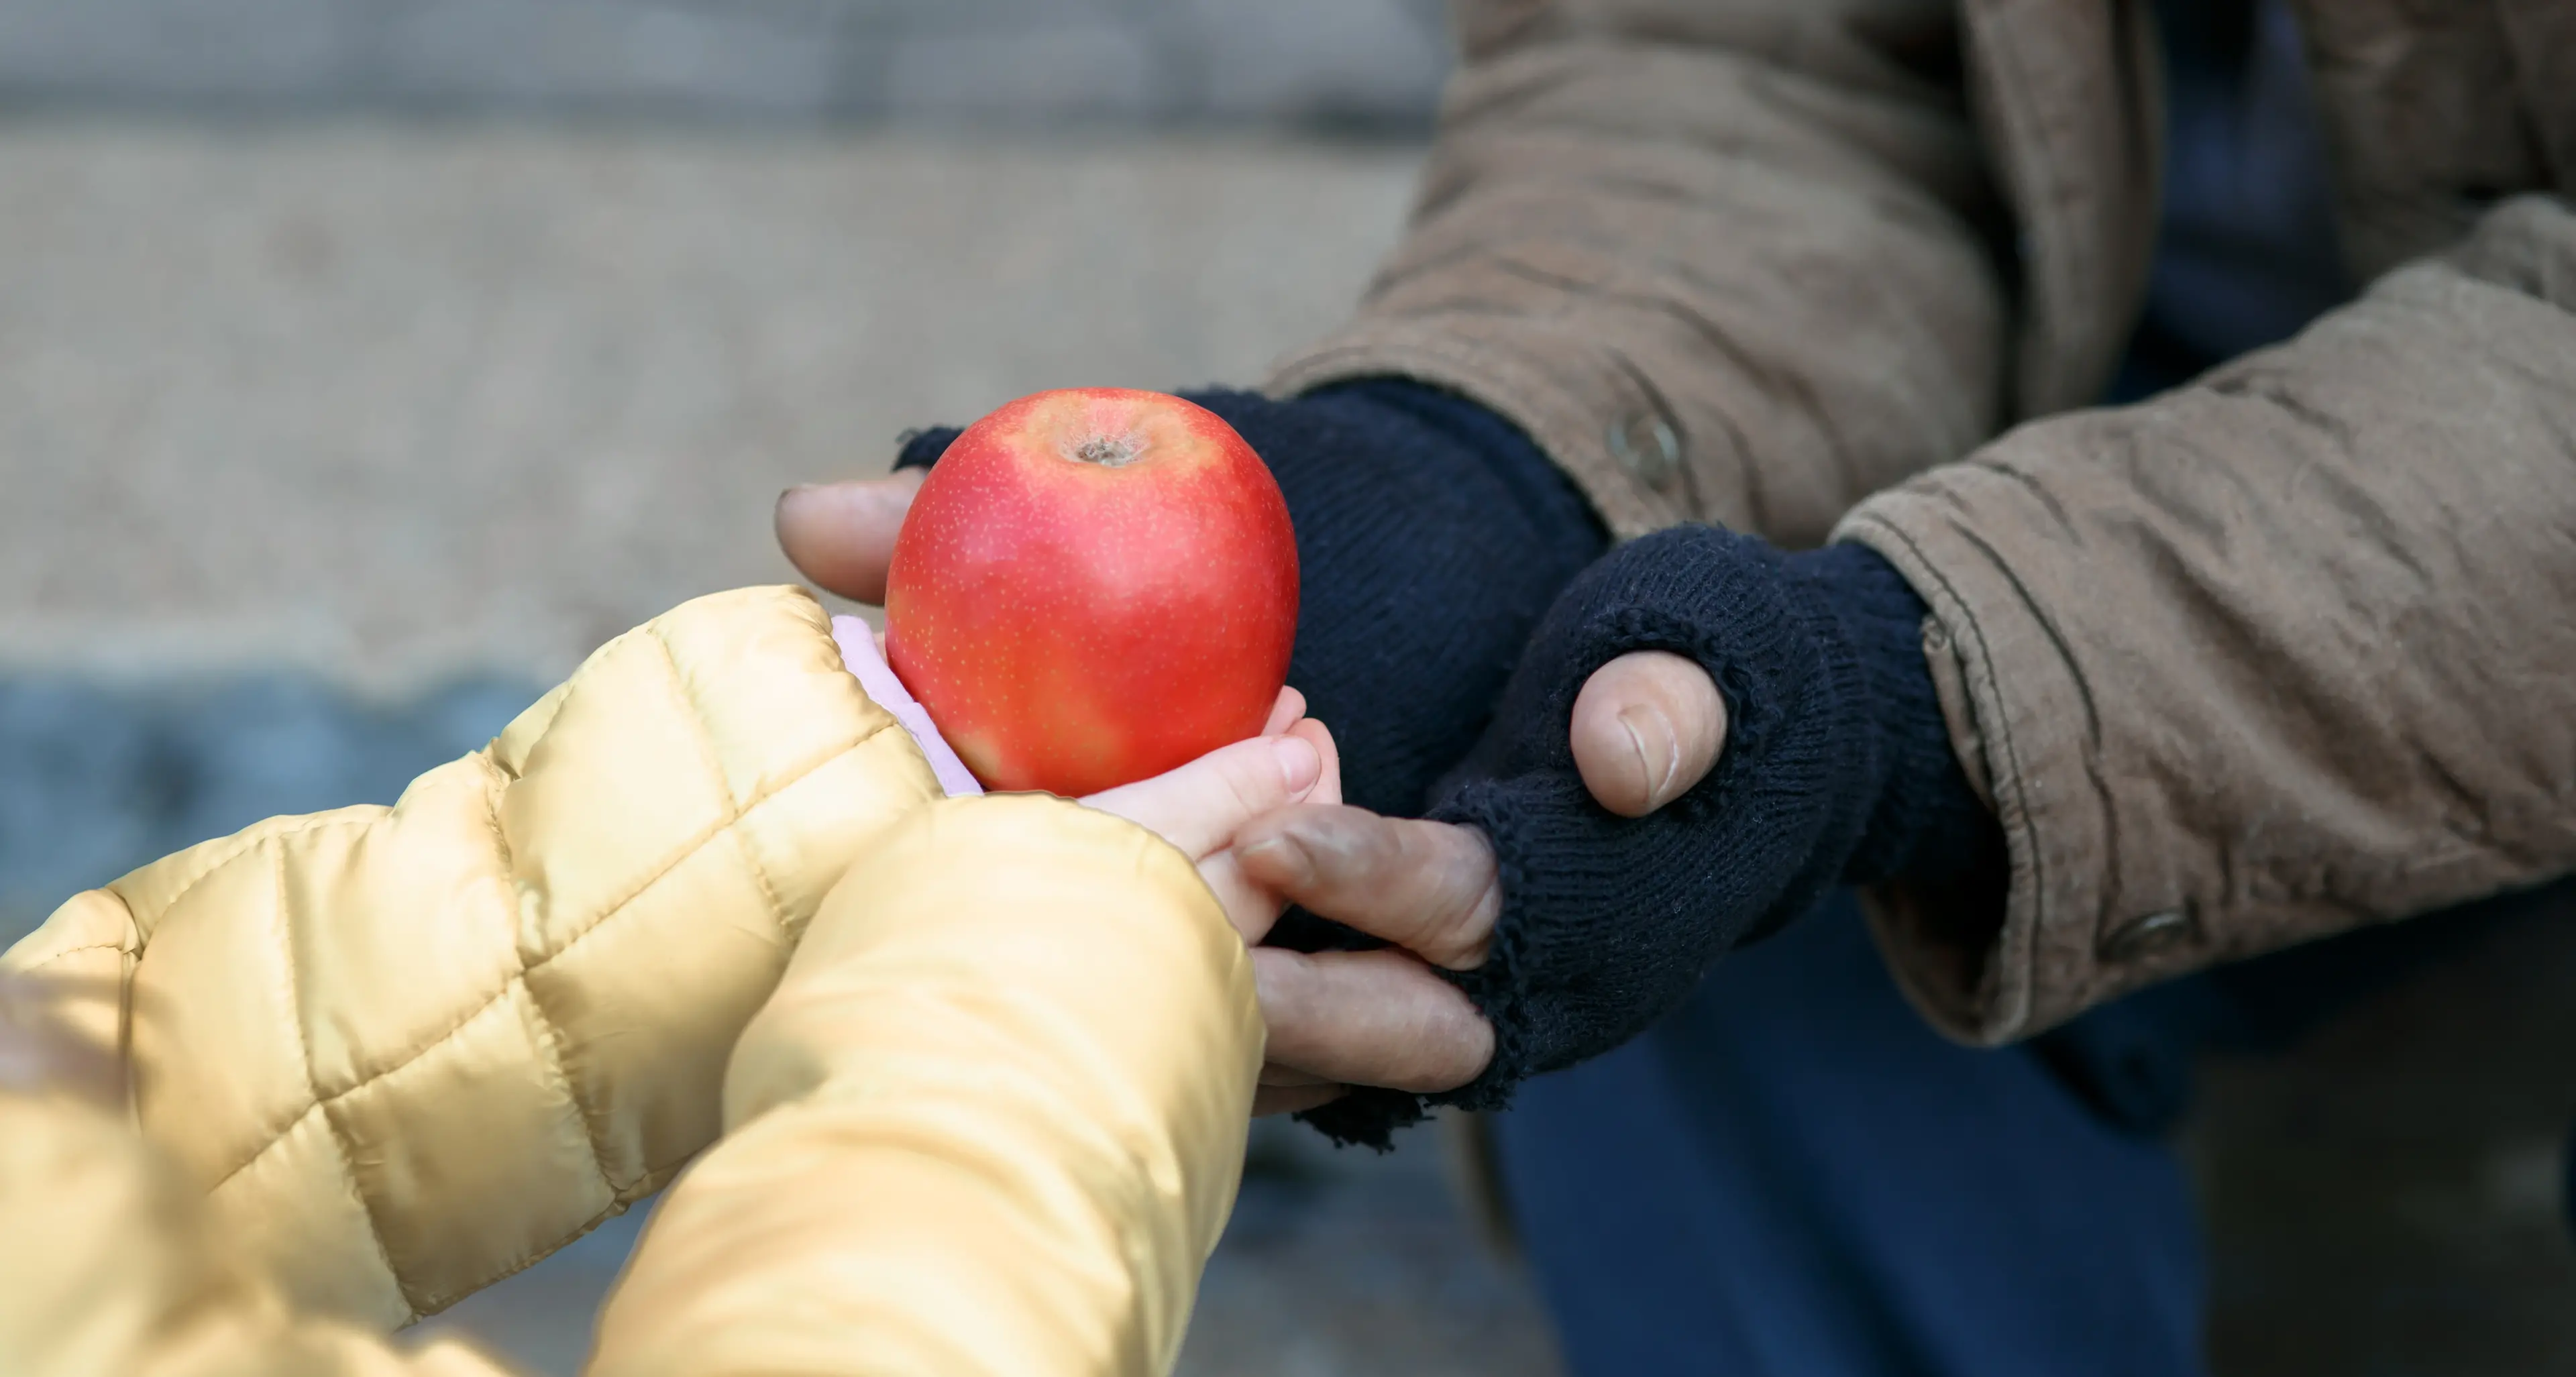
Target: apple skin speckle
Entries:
(1094, 586)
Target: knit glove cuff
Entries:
(1608, 922)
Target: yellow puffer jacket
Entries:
(990, 1122)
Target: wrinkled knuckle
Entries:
(1242, 797)
(1471, 899)
(1449, 1050)
(1468, 1042)
(1338, 845)
(1365, 839)
(1280, 983)
(1488, 908)
(1453, 943)
(1248, 784)
(1253, 777)
(1471, 926)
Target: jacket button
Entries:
(1647, 448)
(2146, 936)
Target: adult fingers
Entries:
(1369, 1018)
(1428, 887)
(841, 535)
(1646, 727)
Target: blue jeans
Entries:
(1795, 1175)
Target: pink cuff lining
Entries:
(859, 651)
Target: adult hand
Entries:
(1645, 729)
(1618, 880)
(1431, 535)
(841, 535)
(1262, 819)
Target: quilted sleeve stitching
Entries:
(551, 1041)
(693, 845)
(681, 854)
(500, 778)
(240, 846)
(735, 811)
(269, 1146)
(707, 753)
(760, 877)
(523, 1261)
(607, 913)
(537, 717)
(75, 951)
(740, 809)
(549, 1033)
(248, 844)
(737, 815)
(294, 1013)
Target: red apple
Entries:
(1092, 587)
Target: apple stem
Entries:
(1108, 451)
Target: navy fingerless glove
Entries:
(1431, 536)
(1837, 770)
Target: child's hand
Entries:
(1201, 806)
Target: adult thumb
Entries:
(841, 535)
(1646, 728)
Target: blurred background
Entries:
(363, 363)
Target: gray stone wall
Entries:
(1368, 64)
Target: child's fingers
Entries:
(1285, 712)
(1249, 909)
(1328, 787)
(1200, 806)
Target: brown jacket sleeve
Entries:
(2283, 652)
(1721, 261)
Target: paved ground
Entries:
(391, 405)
